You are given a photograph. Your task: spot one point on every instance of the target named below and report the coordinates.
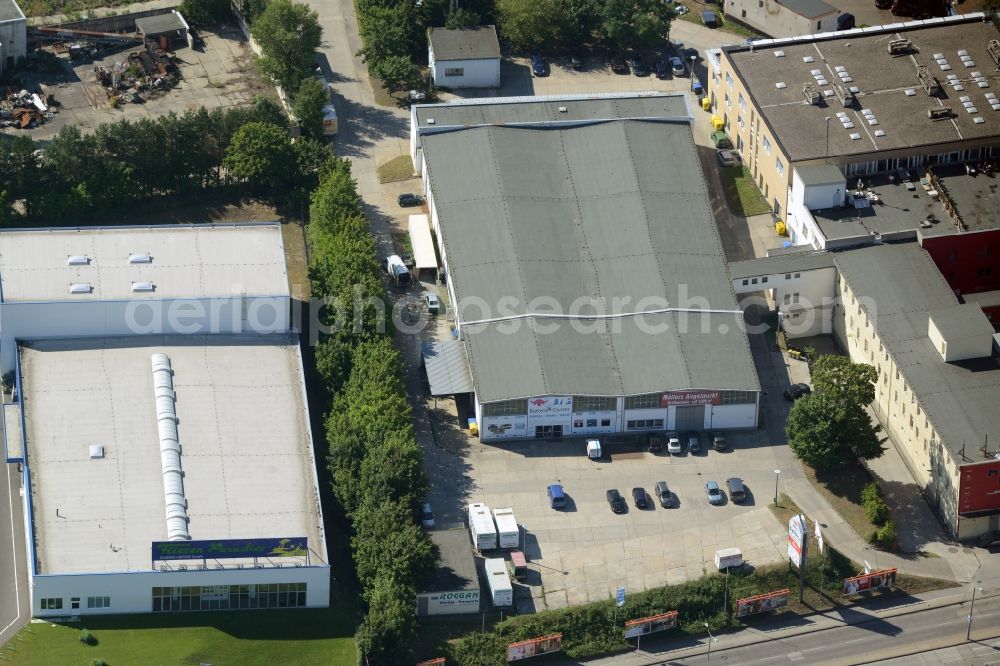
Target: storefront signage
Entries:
(649, 625)
(796, 535)
(448, 603)
(229, 549)
(550, 406)
(870, 581)
(761, 603)
(683, 398)
(534, 647)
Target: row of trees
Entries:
(569, 24)
(121, 164)
(375, 460)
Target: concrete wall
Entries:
(132, 592)
(805, 299)
(33, 321)
(483, 73)
(776, 20)
(120, 23)
(13, 42)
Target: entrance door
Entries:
(548, 432)
(690, 418)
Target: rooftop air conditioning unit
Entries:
(900, 46)
(940, 113)
(845, 97)
(994, 50)
(931, 85)
(811, 94)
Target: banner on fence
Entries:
(649, 625)
(761, 603)
(534, 647)
(870, 581)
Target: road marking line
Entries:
(13, 547)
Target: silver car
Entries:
(714, 493)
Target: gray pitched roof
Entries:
(808, 8)
(576, 214)
(900, 285)
(780, 263)
(9, 11)
(160, 24)
(477, 43)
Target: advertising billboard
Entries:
(534, 647)
(870, 581)
(219, 549)
(979, 489)
(448, 603)
(684, 398)
(550, 406)
(796, 535)
(650, 625)
(761, 603)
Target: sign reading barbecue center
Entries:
(685, 398)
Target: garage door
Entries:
(691, 418)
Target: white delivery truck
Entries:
(508, 533)
(498, 580)
(727, 558)
(397, 270)
(330, 124)
(481, 527)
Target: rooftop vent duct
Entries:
(931, 85)
(140, 258)
(900, 46)
(994, 50)
(845, 97)
(78, 260)
(143, 286)
(811, 94)
(80, 288)
(170, 449)
(940, 113)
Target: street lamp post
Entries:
(826, 155)
(777, 473)
(972, 608)
(711, 638)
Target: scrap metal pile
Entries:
(24, 110)
(144, 75)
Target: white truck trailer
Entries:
(498, 580)
(508, 533)
(481, 527)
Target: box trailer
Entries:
(727, 558)
(498, 580)
(508, 533)
(481, 527)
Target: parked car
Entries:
(427, 516)
(557, 496)
(576, 62)
(409, 199)
(639, 68)
(714, 493)
(594, 449)
(719, 442)
(721, 140)
(616, 501)
(680, 9)
(677, 66)
(640, 499)
(674, 443)
(796, 391)
(737, 491)
(619, 66)
(417, 96)
(432, 302)
(660, 68)
(710, 18)
(845, 21)
(664, 495)
(694, 443)
(538, 65)
(655, 442)
(728, 158)
(883, 4)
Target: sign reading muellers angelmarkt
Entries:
(230, 548)
(684, 398)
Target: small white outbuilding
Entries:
(464, 58)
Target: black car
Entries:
(617, 502)
(538, 65)
(639, 68)
(661, 69)
(845, 21)
(719, 441)
(576, 62)
(737, 491)
(883, 4)
(639, 495)
(409, 199)
(619, 66)
(655, 442)
(796, 391)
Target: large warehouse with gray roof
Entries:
(585, 270)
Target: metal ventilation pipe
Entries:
(170, 449)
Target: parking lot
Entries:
(219, 75)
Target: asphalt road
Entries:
(14, 611)
(870, 639)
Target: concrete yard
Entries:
(219, 75)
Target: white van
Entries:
(397, 270)
(498, 580)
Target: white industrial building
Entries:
(586, 273)
(784, 18)
(464, 58)
(13, 36)
(168, 469)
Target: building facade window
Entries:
(505, 408)
(647, 401)
(738, 397)
(644, 424)
(742, 102)
(729, 80)
(229, 597)
(52, 603)
(591, 403)
(454, 71)
(98, 602)
(779, 166)
(767, 146)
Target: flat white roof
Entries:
(183, 262)
(423, 245)
(243, 428)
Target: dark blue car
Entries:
(538, 65)
(660, 68)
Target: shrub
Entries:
(87, 638)
(98, 662)
(876, 510)
(884, 537)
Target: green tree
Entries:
(307, 105)
(261, 155)
(635, 23)
(7, 215)
(827, 436)
(462, 18)
(397, 72)
(531, 24)
(388, 542)
(387, 30)
(288, 34)
(390, 626)
(205, 12)
(851, 384)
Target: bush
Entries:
(876, 510)
(884, 537)
(98, 662)
(87, 638)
